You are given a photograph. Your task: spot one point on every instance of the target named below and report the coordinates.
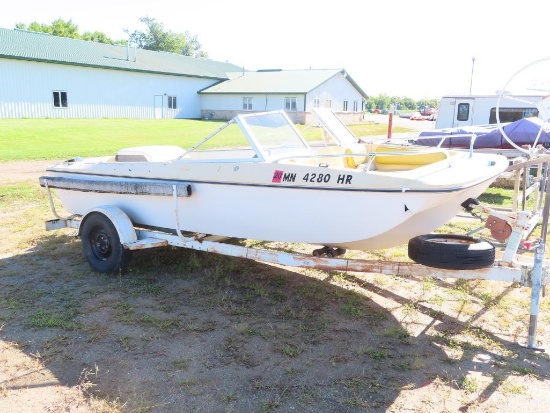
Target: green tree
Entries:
(156, 38)
(428, 102)
(370, 104)
(382, 102)
(58, 27)
(99, 37)
(64, 28)
(407, 104)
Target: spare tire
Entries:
(452, 252)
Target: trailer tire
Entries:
(101, 245)
(452, 252)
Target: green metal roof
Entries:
(277, 81)
(42, 47)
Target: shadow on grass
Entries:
(215, 333)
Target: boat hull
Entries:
(359, 219)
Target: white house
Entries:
(44, 76)
(295, 91)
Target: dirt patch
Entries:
(188, 331)
(23, 170)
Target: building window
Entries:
(511, 114)
(290, 104)
(345, 106)
(60, 99)
(328, 103)
(172, 102)
(463, 112)
(316, 102)
(355, 106)
(247, 103)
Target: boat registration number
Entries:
(282, 176)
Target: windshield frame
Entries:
(273, 135)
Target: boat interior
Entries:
(370, 156)
(272, 137)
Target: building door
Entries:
(463, 112)
(159, 103)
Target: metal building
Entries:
(45, 76)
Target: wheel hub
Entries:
(101, 245)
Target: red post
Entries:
(390, 125)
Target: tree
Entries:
(156, 38)
(99, 37)
(428, 102)
(382, 102)
(407, 103)
(370, 104)
(64, 28)
(58, 27)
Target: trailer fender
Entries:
(120, 220)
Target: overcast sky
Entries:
(401, 47)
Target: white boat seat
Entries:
(150, 153)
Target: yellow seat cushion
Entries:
(406, 157)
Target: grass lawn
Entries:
(35, 139)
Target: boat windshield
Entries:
(335, 127)
(273, 134)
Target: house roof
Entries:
(42, 47)
(277, 81)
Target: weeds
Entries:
(469, 384)
(396, 332)
(510, 388)
(378, 354)
(54, 319)
(353, 308)
(291, 350)
(181, 364)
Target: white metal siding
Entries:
(260, 102)
(337, 89)
(480, 110)
(26, 90)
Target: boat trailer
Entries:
(533, 273)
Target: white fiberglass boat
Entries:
(277, 187)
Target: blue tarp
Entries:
(521, 132)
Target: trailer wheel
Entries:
(101, 245)
(452, 252)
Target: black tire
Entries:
(452, 252)
(101, 245)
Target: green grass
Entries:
(51, 319)
(36, 139)
(33, 139)
(19, 193)
(504, 198)
(499, 197)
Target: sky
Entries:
(397, 48)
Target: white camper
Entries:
(466, 110)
